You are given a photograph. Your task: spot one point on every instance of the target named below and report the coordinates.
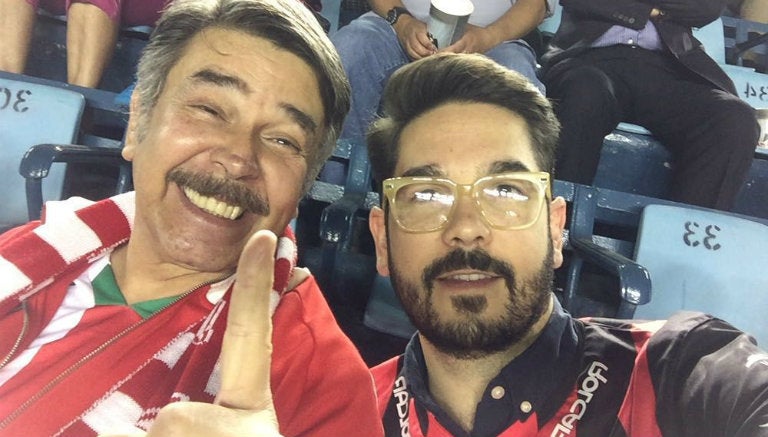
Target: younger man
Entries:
(470, 235)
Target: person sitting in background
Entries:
(92, 28)
(377, 43)
(160, 309)
(470, 235)
(629, 60)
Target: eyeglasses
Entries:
(507, 201)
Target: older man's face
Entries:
(224, 152)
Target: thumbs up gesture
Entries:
(244, 406)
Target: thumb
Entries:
(246, 352)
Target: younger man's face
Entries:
(470, 288)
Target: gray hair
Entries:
(286, 23)
(443, 78)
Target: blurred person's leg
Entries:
(370, 53)
(589, 105)
(91, 39)
(17, 20)
(517, 56)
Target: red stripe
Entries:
(107, 221)
(27, 251)
(640, 398)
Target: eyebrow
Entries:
(507, 166)
(496, 167)
(307, 123)
(211, 77)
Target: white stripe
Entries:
(286, 249)
(171, 353)
(69, 236)
(79, 298)
(217, 290)
(127, 203)
(214, 382)
(13, 279)
(116, 414)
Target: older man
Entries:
(470, 235)
(112, 311)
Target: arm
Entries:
(411, 32)
(715, 379)
(517, 22)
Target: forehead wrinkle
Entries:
(209, 76)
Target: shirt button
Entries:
(630, 41)
(526, 407)
(498, 392)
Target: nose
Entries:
(466, 227)
(236, 162)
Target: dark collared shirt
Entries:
(690, 376)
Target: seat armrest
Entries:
(634, 279)
(37, 161)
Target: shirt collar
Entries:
(531, 383)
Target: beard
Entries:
(473, 336)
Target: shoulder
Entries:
(318, 376)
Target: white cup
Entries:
(447, 19)
(762, 120)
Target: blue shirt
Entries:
(646, 38)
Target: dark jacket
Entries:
(583, 21)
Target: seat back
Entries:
(705, 261)
(31, 114)
(713, 39)
(751, 85)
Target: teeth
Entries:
(213, 206)
(469, 277)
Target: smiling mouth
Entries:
(467, 277)
(213, 206)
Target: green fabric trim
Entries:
(107, 292)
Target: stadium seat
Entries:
(32, 114)
(746, 39)
(37, 162)
(706, 261)
(751, 86)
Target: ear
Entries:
(131, 140)
(378, 226)
(557, 210)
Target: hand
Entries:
(412, 35)
(243, 407)
(475, 40)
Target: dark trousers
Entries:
(711, 134)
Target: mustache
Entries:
(226, 190)
(458, 259)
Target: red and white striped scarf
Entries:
(171, 356)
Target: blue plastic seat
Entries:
(31, 114)
(706, 261)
